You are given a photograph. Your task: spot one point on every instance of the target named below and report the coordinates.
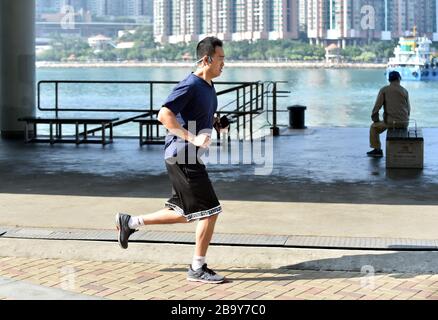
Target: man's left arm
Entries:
(379, 103)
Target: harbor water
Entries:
(334, 97)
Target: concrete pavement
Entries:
(321, 185)
(239, 217)
(142, 281)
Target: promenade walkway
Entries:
(325, 211)
(79, 279)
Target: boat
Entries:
(414, 60)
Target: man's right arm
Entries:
(168, 119)
(377, 106)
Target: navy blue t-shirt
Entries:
(194, 103)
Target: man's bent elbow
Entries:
(166, 117)
(161, 115)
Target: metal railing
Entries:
(251, 100)
(274, 93)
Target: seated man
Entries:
(396, 110)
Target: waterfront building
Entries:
(191, 20)
(302, 14)
(351, 21)
(133, 8)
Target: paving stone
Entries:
(102, 279)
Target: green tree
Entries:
(144, 38)
(146, 48)
(366, 56)
(106, 55)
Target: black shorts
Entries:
(192, 194)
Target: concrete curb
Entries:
(225, 239)
(250, 257)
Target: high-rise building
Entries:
(138, 8)
(221, 23)
(47, 6)
(283, 19)
(420, 14)
(431, 18)
(302, 4)
(162, 20)
(334, 20)
(97, 7)
(133, 8)
(401, 16)
(434, 19)
(76, 4)
(115, 7)
(406, 18)
(184, 20)
(56, 6)
(191, 20)
(257, 17)
(384, 19)
(148, 8)
(346, 21)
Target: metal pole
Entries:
(257, 95)
(56, 105)
(56, 99)
(275, 129)
(274, 105)
(151, 99)
(244, 113)
(238, 116)
(218, 134)
(251, 115)
(263, 96)
(38, 96)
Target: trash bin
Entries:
(296, 117)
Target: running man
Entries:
(189, 115)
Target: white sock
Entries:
(197, 262)
(135, 222)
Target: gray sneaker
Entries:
(204, 275)
(123, 228)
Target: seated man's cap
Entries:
(394, 75)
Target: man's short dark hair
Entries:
(394, 76)
(207, 47)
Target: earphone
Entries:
(209, 60)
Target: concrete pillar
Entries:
(1, 62)
(17, 63)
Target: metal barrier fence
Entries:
(251, 100)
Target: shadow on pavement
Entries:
(397, 265)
